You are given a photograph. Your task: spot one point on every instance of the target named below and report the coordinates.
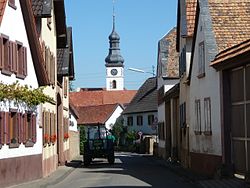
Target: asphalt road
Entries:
(129, 170)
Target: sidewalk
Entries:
(61, 173)
(201, 181)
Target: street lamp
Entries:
(142, 71)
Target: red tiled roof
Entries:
(2, 8)
(190, 13)
(231, 53)
(231, 22)
(95, 114)
(100, 97)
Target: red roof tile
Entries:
(190, 13)
(231, 22)
(231, 53)
(2, 8)
(100, 97)
(95, 114)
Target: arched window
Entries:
(113, 84)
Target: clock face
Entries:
(114, 72)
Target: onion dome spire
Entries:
(114, 57)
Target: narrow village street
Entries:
(129, 170)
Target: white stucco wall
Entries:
(208, 86)
(73, 124)
(48, 35)
(168, 84)
(112, 119)
(13, 26)
(144, 128)
(119, 78)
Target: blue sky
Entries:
(140, 24)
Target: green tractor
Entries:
(99, 144)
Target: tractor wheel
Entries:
(111, 158)
(87, 160)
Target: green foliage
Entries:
(82, 139)
(130, 137)
(23, 94)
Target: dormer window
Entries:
(12, 4)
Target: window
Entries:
(13, 57)
(22, 61)
(66, 128)
(182, 60)
(197, 128)
(183, 115)
(13, 127)
(130, 121)
(150, 119)
(201, 61)
(113, 84)
(46, 127)
(139, 120)
(207, 115)
(6, 56)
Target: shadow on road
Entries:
(141, 168)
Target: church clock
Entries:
(114, 72)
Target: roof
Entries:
(42, 8)
(2, 8)
(101, 114)
(231, 56)
(101, 97)
(190, 14)
(186, 14)
(145, 99)
(65, 58)
(168, 58)
(230, 21)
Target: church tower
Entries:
(114, 62)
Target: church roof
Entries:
(114, 57)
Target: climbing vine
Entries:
(21, 95)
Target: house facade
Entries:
(232, 63)
(141, 113)
(74, 133)
(20, 126)
(56, 43)
(185, 29)
(167, 77)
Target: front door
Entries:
(240, 118)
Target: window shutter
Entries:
(24, 61)
(7, 128)
(33, 119)
(10, 54)
(1, 53)
(51, 70)
(43, 124)
(25, 126)
(14, 57)
(47, 62)
(20, 134)
(1, 127)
